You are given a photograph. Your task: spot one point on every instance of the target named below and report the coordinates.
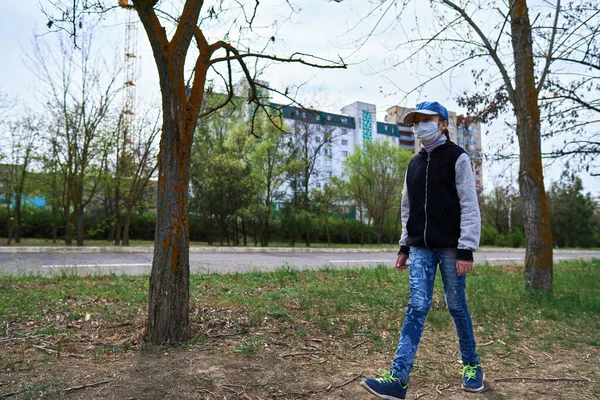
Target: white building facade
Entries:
(357, 124)
(342, 133)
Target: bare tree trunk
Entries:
(69, 229)
(345, 222)
(9, 222)
(168, 309)
(126, 226)
(327, 227)
(80, 225)
(17, 222)
(538, 259)
(118, 218)
(54, 223)
(396, 226)
(362, 225)
(244, 233)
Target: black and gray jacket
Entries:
(439, 202)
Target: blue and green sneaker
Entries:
(387, 387)
(473, 378)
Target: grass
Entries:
(260, 327)
(367, 301)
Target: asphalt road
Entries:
(223, 262)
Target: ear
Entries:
(443, 126)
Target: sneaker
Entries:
(473, 378)
(387, 387)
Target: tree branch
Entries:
(186, 26)
(489, 47)
(156, 33)
(238, 56)
(550, 48)
(582, 62)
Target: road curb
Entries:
(198, 250)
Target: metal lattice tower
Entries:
(131, 39)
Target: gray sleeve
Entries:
(405, 211)
(470, 218)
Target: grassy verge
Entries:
(346, 301)
(351, 316)
(148, 243)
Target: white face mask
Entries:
(426, 132)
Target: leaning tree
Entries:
(192, 25)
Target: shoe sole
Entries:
(475, 390)
(381, 396)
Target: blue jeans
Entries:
(423, 263)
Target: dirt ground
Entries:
(275, 360)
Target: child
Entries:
(441, 225)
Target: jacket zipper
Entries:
(426, 190)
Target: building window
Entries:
(318, 117)
(330, 174)
(318, 139)
(293, 114)
(328, 117)
(344, 142)
(386, 127)
(344, 120)
(304, 115)
(345, 153)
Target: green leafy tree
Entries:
(572, 213)
(376, 174)
(324, 204)
(270, 166)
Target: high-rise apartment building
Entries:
(357, 124)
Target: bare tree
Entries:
(514, 60)
(168, 310)
(5, 106)
(310, 142)
(132, 164)
(78, 96)
(23, 137)
(143, 162)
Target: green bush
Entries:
(491, 237)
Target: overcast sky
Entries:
(321, 27)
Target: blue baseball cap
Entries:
(427, 108)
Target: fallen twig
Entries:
(2, 396)
(304, 353)
(544, 379)
(231, 390)
(225, 335)
(74, 388)
(52, 351)
(347, 382)
(548, 355)
(359, 344)
(487, 344)
(419, 395)
(439, 389)
(122, 324)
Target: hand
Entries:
(401, 262)
(463, 267)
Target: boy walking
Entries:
(441, 225)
